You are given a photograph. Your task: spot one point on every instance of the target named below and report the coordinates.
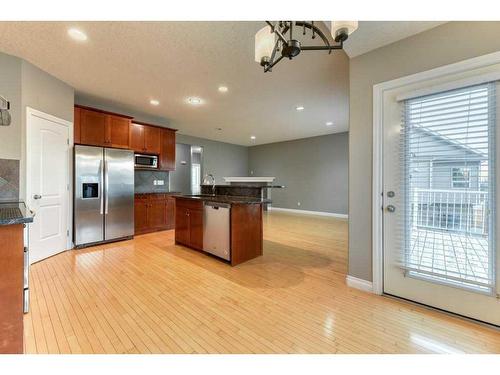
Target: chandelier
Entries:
(276, 40)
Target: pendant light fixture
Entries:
(276, 41)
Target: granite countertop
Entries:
(250, 186)
(15, 213)
(230, 199)
(157, 192)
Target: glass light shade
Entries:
(350, 26)
(264, 43)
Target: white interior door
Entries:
(439, 221)
(47, 184)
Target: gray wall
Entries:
(442, 45)
(219, 158)
(314, 171)
(24, 85)
(10, 88)
(180, 179)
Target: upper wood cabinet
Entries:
(93, 128)
(77, 125)
(100, 128)
(167, 153)
(145, 138)
(118, 131)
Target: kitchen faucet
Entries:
(206, 182)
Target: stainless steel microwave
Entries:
(146, 161)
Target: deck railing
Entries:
(453, 210)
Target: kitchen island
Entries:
(229, 227)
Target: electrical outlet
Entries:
(298, 203)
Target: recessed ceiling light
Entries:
(299, 108)
(223, 88)
(329, 123)
(194, 101)
(252, 137)
(77, 35)
(154, 102)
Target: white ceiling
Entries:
(374, 34)
(133, 62)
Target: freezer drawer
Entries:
(217, 229)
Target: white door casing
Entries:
(388, 276)
(48, 188)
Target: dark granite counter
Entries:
(230, 199)
(249, 186)
(157, 192)
(15, 213)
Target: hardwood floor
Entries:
(148, 295)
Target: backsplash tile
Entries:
(144, 181)
(9, 180)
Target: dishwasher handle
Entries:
(216, 206)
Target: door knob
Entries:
(37, 196)
(391, 208)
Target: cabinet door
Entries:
(118, 131)
(170, 213)
(156, 214)
(167, 153)
(182, 225)
(196, 229)
(77, 126)
(93, 128)
(152, 139)
(137, 137)
(141, 215)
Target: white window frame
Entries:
(474, 71)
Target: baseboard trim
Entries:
(306, 212)
(364, 285)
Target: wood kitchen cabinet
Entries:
(77, 125)
(100, 128)
(153, 212)
(140, 214)
(118, 131)
(167, 154)
(145, 138)
(92, 128)
(189, 223)
(11, 288)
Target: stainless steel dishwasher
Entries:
(217, 229)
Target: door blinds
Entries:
(448, 164)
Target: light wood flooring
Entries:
(148, 295)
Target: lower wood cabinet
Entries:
(189, 223)
(153, 212)
(11, 288)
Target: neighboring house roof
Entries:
(460, 147)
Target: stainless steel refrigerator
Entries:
(104, 195)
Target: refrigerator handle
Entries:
(101, 172)
(106, 183)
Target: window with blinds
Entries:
(448, 164)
